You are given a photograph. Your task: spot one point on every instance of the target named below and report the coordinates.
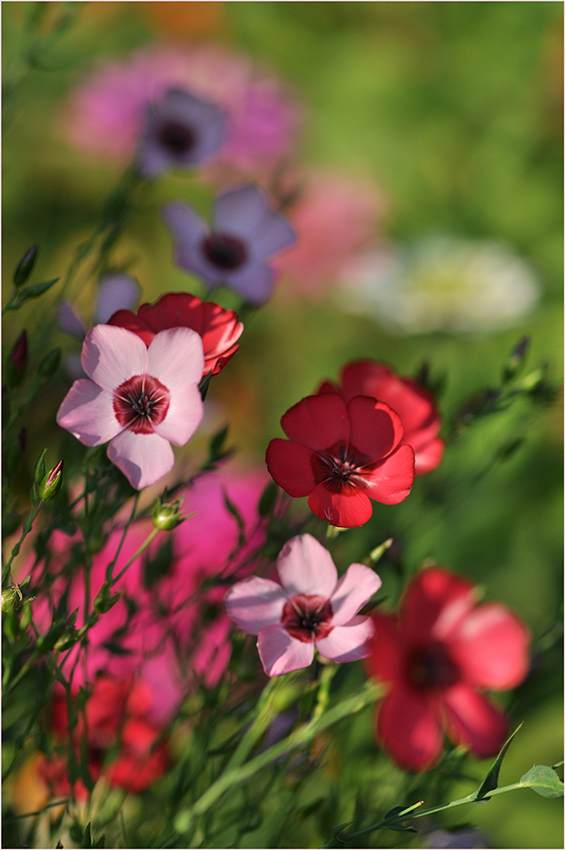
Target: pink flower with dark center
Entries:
(311, 608)
(139, 398)
(437, 656)
(233, 252)
(220, 329)
(341, 456)
(180, 130)
(413, 403)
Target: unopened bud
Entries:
(104, 600)
(11, 599)
(167, 517)
(534, 380)
(17, 361)
(516, 358)
(40, 469)
(25, 266)
(50, 363)
(51, 483)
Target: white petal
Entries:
(112, 355)
(143, 458)
(305, 566)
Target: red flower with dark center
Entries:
(341, 456)
(437, 655)
(219, 329)
(141, 402)
(306, 617)
(413, 403)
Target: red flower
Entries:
(414, 404)
(437, 655)
(341, 456)
(220, 329)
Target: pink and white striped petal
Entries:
(111, 355)
(143, 458)
(280, 653)
(305, 566)
(255, 603)
(87, 412)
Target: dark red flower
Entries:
(437, 655)
(341, 456)
(414, 404)
(220, 329)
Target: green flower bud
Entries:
(50, 363)
(166, 517)
(51, 483)
(25, 266)
(104, 600)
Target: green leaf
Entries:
(335, 841)
(234, 511)
(32, 292)
(490, 782)
(396, 813)
(543, 780)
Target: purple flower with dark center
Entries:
(181, 130)
(244, 234)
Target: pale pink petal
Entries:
(305, 566)
(143, 458)
(352, 591)
(176, 358)
(183, 416)
(347, 643)
(88, 413)
(111, 355)
(255, 603)
(280, 653)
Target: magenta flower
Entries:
(244, 234)
(312, 609)
(139, 398)
(180, 130)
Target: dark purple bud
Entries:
(17, 360)
(25, 266)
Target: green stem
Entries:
(28, 522)
(112, 564)
(140, 551)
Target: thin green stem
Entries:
(112, 564)
(27, 524)
(139, 552)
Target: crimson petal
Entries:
(291, 467)
(317, 422)
(347, 508)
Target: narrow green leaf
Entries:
(490, 782)
(234, 511)
(32, 292)
(397, 813)
(543, 780)
(335, 840)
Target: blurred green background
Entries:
(454, 111)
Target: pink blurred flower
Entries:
(139, 398)
(233, 252)
(105, 114)
(311, 609)
(334, 217)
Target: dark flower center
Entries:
(225, 252)
(338, 469)
(140, 403)
(306, 617)
(431, 667)
(176, 137)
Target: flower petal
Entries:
(347, 643)
(305, 566)
(376, 430)
(128, 320)
(183, 416)
(291, 467)
(143, 458)
(111, 355)
(280, 653)
(185, 225)
(387, 659)
(430, 593)
(472, 720)
(176, 358)
(115, 292)
(391, 481)
(317, 422)
(245, 212)
(254, 282)
(352, 591)
(491, 647)
(408, 729)
(255, 603)
(88, 413)
(428, 456)
(348, 508)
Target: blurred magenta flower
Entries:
(341, 456)
(106, 112)
(438, 655)
(220, 329)
(233, 251)
(335, 217)
(311, 608)
(180, 130)
(413, 403)
(139, 399)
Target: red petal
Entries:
(128, 320)
(386, 661)
(472, 720)
(291, 467)
(348, 508)
(317, 422)
(430, 593)
(174, 310)
(376, 430)
(491, 647)
(428, 455)
(408, 729)
(391, 481)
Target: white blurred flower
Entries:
(442, 283)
